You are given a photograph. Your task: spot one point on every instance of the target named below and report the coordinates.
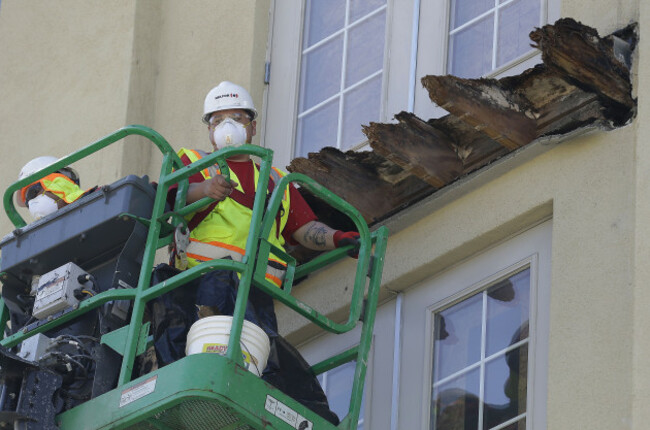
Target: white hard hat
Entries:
(225, 96)
(35, 165)
(40, 163)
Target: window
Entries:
(485, 35)
(342, 61)
(481, 359)
(337, 384)
(327, 74)
(475, 340)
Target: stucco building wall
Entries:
(74, 72)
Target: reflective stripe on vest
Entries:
(212, 251)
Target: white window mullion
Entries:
(322, 41)
(478, 18)
(318, 106)
(465, 370)
(495, 34)
(344, 63)
(335, 96)
(509, 422)
(481, 390)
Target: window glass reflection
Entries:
(507, 310)
(455, 403)
(459, 342)
(318, 129)
(516, 21)
(320, 74)
(463, 11)
(470, 50)
(505, 387)
(480, 359)
(337, 384)
(322, 18)
(365, 49)
(360, 8)
(360, 106)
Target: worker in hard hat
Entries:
(222, 231)
(49, 193)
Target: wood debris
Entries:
(584, 80)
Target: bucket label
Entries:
(221, 349)
(286, 414)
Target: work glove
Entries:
(343, 238)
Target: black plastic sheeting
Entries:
(173, 314)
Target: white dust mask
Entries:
(41, 206)
(229, 133)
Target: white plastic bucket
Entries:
(211, 334)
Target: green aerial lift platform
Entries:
(200, 391)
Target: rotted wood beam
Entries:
(416, 147)
(503, 115)
(359, 184)
(595, 64)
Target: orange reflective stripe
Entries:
(278, 261)
(198, 257)
(277, 281)
(280, 174)
(222, 245)
(205, 172)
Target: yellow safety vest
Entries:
(224, 231)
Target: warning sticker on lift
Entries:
(286, 414)
(136, 392)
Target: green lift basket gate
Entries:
(183, 395)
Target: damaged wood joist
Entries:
(352, 177)
(584, 80)
(600, 65)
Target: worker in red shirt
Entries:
(221, 230)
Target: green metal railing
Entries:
(252, 268)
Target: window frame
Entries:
(531, 262)
(344, 87)
(284, 55)
(532, 246)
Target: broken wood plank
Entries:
(503, 115)
(416, 147)
(359, 184)
(577, 52)
(474, 147)
(558, 106)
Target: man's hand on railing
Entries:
(343, 238)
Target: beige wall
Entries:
(641, 269)
(605, 16)
(66, 68)
(74, 72)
